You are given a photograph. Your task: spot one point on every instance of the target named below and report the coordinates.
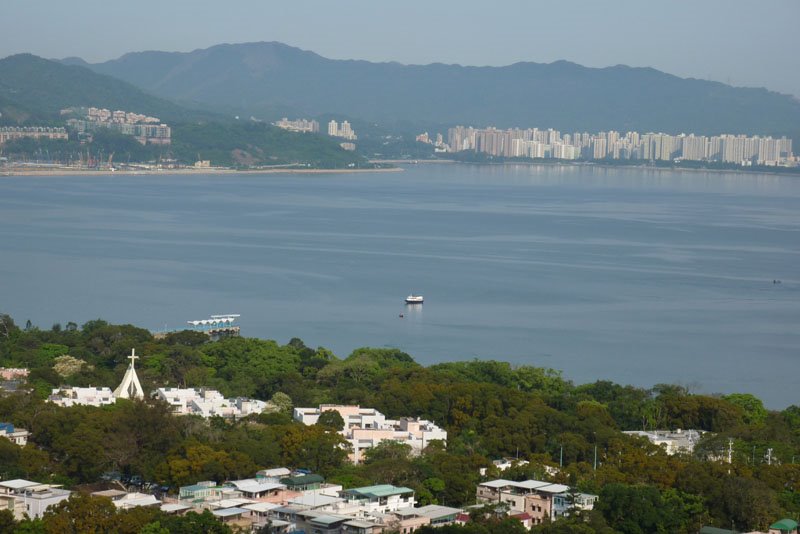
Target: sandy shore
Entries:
(69, 171)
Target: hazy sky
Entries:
(749, 43)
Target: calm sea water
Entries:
(633, 275)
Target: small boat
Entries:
(414, 299)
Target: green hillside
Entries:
(33, 91)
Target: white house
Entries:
(18, 436)
(73, 396)
(671, 441)
(32, 498)
(364, 428)
(207, 403)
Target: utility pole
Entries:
(561, 457)
(769, 456)
(595, 456)
(730, 454)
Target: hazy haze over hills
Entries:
(32, 88)
(270, 79)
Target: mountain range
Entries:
(33, 89)
(270, 79)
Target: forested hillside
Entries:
(490, 410)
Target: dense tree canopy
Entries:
(490, 410)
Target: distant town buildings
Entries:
(344, 130)
(611, 145)
(299, 125)
(145, 129)
(365, 428)
(439, 144)
(9, 133)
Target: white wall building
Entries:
(129, 388)
(671, 441)
(364, 428)
(207, 403)
(18, 436)
(72, 396)
(24, 497)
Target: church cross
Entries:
(133, 356)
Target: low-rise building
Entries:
(124, 500)
(13, 373)
(273, 475)
(672, 441)
(18, 436)
(383, 498)
(543, 501)
(24, 497)
(253, 488)
(10, 133)
(90, 396)
(365, 428)
(207, 403)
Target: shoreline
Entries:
(66, 171)
(639, 167)
(12, 171)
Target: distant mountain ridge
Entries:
(269, 79)
(36, 89)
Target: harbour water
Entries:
(635, 275)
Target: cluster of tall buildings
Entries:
(145, 129)
(343, 130)
(299, 125)
(535, 143)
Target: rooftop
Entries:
(174, 507)
(18, 483)
(315, 500)
(784, 524)
(229, 512)
(376, 492)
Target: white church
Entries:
(203, 402)
(129, 388)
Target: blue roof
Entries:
(8, 427)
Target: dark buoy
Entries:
(401, 316)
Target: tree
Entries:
(314, 447)
(282, 402)
(752, 407)
(331, 419)
(81, 514)
(7, 523)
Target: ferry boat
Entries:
(414, 299)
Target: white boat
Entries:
(414, 299)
